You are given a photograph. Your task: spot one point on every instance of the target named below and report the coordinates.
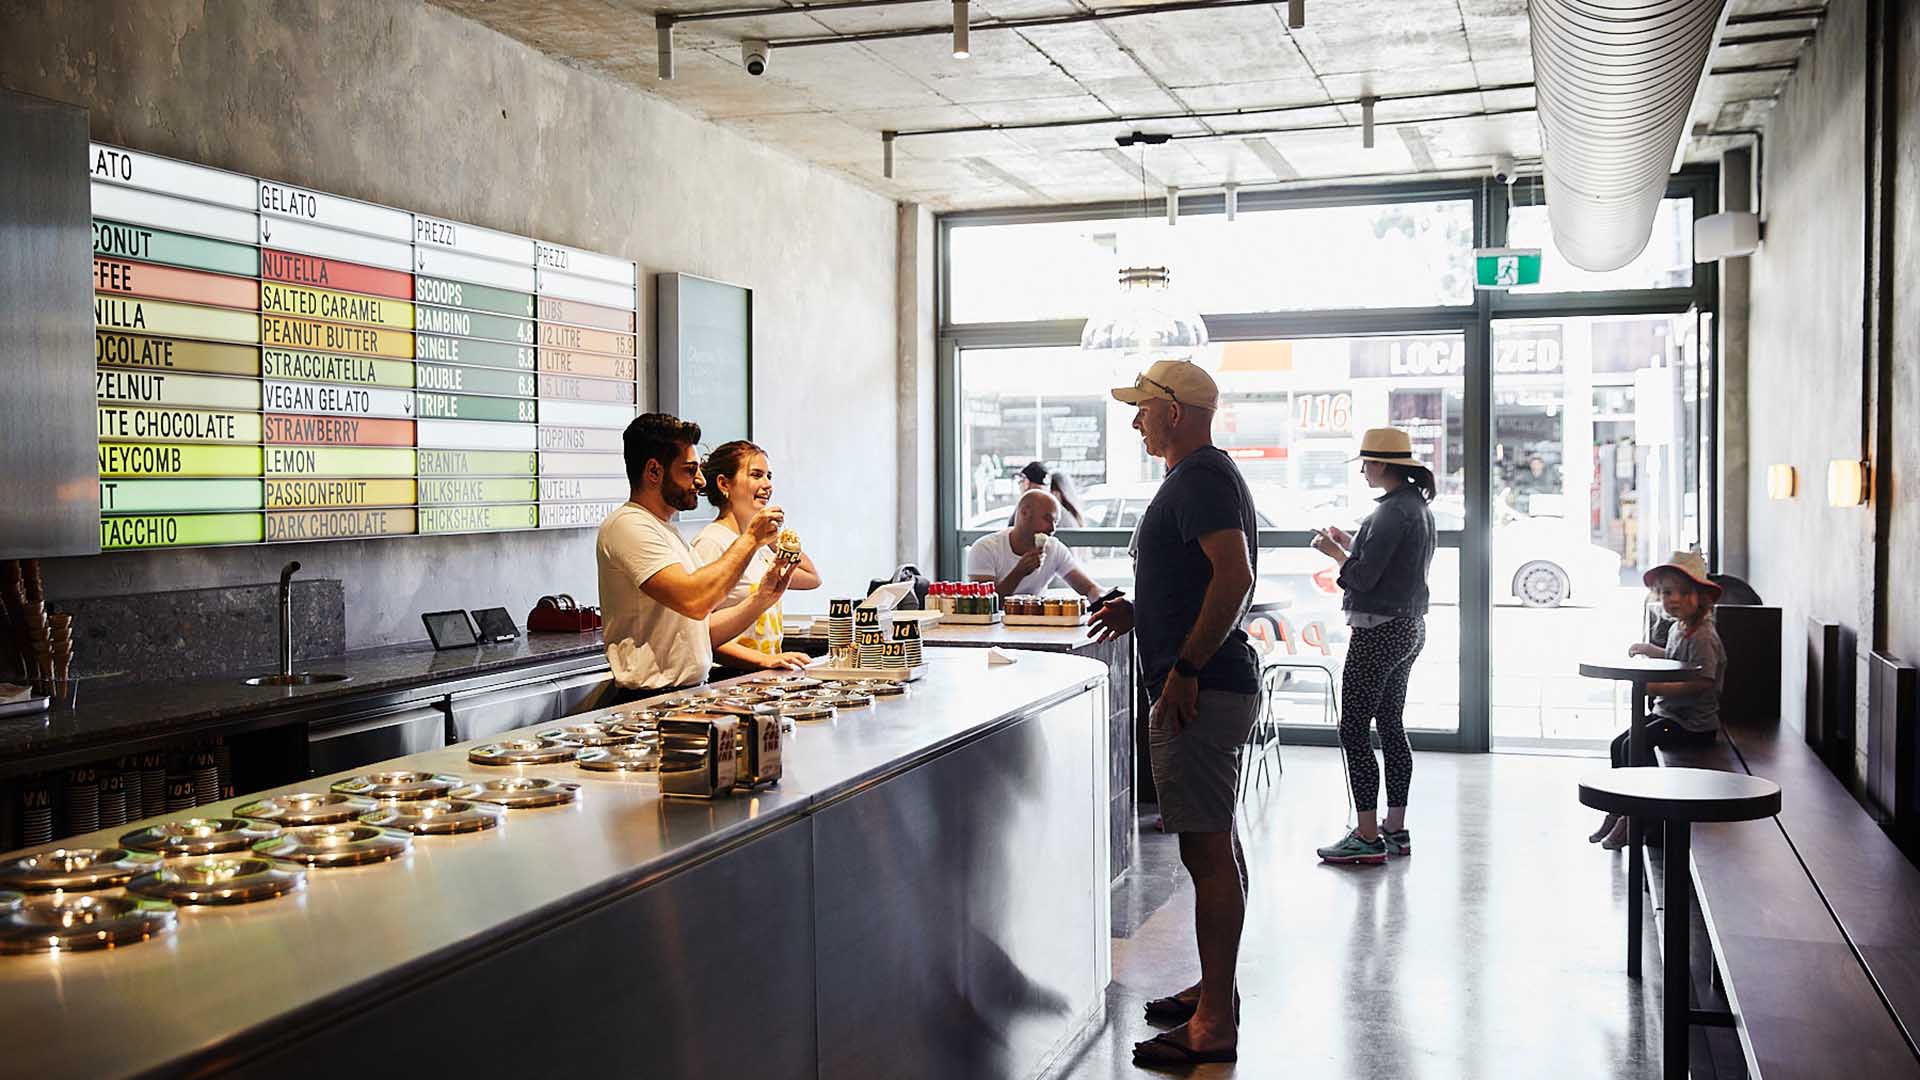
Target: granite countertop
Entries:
(110, 712)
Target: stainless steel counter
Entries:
(909, 826)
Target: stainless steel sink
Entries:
(298, 678)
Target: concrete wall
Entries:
(409, 105)
(1895, 488)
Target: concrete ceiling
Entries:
(828, 103)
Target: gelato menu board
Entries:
(276, 364)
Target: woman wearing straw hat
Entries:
(1383, 572)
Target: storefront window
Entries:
(1665, 263)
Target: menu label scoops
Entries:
(338, 524)
(478, 518)
(465, 294)
(169, 530)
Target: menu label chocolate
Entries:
(174, 354)
(338, 524)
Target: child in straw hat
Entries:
(1686, 710)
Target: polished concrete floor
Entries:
(1497, 950)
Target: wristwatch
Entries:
(1184, 669)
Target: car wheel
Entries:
(1541, 585)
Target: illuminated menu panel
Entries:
(276, 364)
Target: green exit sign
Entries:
(1504, 268)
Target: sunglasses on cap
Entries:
(1142, 382)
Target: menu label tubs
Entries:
(471, 297)
(472, 240)
(476, 463)
(476, 435)
(170, 283)
(335, 306)
(553, 463)
(180, 530)
(290, 527)
(165, 319)
(576, 515)
(572, 389)
(155, 459)
(468, 490)
(153, 388)
(470, 407)
(174, 354)
(478, 518)
(474, 380)
(455, 350)
(602, 440)
(561, 336)
(577, 489)
(131, 168)
(556, 309)
(297, 269)
(337, 461)
(335, 337)
(330, 367)
(569, 362)
(474, 324)
(150, 496)
(299, 397)
(311, 494)
(174, 215)
(320, 208)
(137, 423)
(117, 240)
(336, 430)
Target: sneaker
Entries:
(1355, 849)
(1399, 842)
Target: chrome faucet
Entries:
(286, 617)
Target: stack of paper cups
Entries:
(839, 625)
(907, 633)
(870, 643)
(893, 655)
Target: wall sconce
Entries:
(1846, 483)
(1783, 482)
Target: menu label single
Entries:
(576, 515)
(335, 306)
(555, 309)
(471, 297)
(133, 459)
(468, 490)
(143, 424)
(172, 283)
(478, 518)
(578, 489)
(114, 239)
(476, 463)
(299, 397)
(470, 407)
(160, 317)
(151, 496)
(206, 391)
(330, 367)
(174, 354)
(474, 380)
(180, 530)
(475, 435)
(177, 215)
(454, 350)
(337, 461)
(336, 430)
(291, 527)
(310, 494)
(320, 208)
(572, 389)
(297, 269)
(474, 324)
(335, 337)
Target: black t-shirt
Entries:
(1203, 494)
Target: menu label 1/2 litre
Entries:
(316, 272)
(464, 490)
(471, 407)
(330, 306)
(166, 319)
(439, 320)
(476, 463)
(478, 518)
(157, 282)
(337, 430)
(157, 388)
(117, 240)
(338, 461)
(575, 389)
(174, 354)
(576, 515)
(179, 530)
(157, 459)
(471, 297)
(291, 527)
(454, 350)
(313, 494)
(473, 380)
(335, 337)
(569, 362)
(150, 496)
(560, 336)
(301, 397)
(137, 423)
(334, 367)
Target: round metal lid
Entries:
(519, 792)
(850, 700)
(336, 845)
(72, 869)
(436, 817)
(587, 734)
(64, 922)
(199, 836)
(635, 757)
(306, 808)
(792, 682)
(807, 710)
(521, 752)
(739, 707)
(399, 784)
(219, 879)
(882, 687)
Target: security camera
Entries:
(1503, 168)
(755, 56)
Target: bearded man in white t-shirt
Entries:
(654, 597)
(1024, 558)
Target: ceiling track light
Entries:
(886, 153)
(1296, 14)
(1173, 205)
(1366, 122)
(663, 40)
(1232, 200)
(960, 49)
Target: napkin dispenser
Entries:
(757, 750)
(698, 754)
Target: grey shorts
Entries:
(1197, 768)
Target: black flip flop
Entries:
(1179, 1010)
(1162, 1049)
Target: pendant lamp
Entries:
(1147, 317)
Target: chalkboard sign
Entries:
(706, 355)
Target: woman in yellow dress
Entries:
(747, 630)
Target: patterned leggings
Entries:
(1374, 688)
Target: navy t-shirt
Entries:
(1203, 494)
